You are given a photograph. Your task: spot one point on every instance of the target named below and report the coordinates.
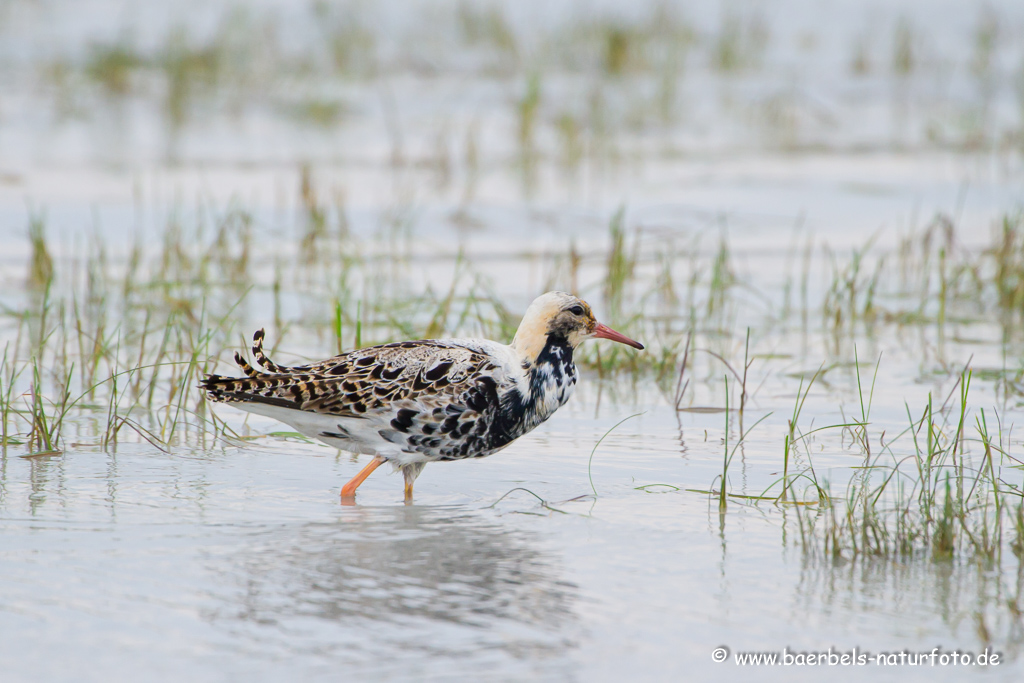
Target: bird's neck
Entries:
(548, 380)
(552, 377)
(530, 340)
(556, 351)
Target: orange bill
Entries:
(604, 332)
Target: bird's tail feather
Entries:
(256, 385)
(261, 358)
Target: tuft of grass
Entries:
(791, 440)
(570, 132)
(903, 57)
(617, 49)
(325, 113)
(189, 70)
(621, 264)
(40, 272)
(113, 66)
(945, 507)
(488, 27)
(9, 373)
(727, 454)
(740, 43)
(528, 108)
(350, 43)
(1008, 256)
(986, 42)
(860, 62)
(46, 417)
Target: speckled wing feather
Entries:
(431, 399)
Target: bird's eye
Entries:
(576, 310)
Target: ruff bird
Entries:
(414, 402)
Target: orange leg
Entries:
(348, 491)
(409, 473)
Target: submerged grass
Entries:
(630, 72)
(923, 494)
(89, 317)
(938, 491)
(108, 345)
(126, 337)
(104, 344)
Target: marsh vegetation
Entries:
(817, 233)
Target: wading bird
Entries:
(414, 402)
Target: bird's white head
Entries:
(561, 316)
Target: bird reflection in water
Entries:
(401, 583)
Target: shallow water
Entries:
(240, 563)
(558, 559)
